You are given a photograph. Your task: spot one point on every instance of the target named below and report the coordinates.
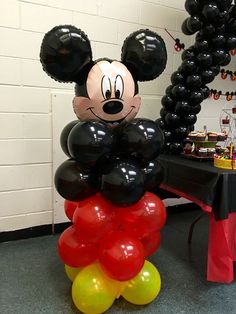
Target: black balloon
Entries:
(167, 102)
(176, 148)
(208, 30)
(64, 136)
(149, 52)
(215, 69)
(204, 59)
(218, 41)
(194, 24)
(182, 108)
(90, 141)
(167, 135)
(181, 132)
(227, 60)
(153, 175)
(201, 44)
(168, 89)
(194, 81)
(188, 66)
(196, 97)
(177, 78)
(195, 109)
(187, 54)
(185, 28)
(192, 6)
(160, 123)
(74, 183)
(140, 139)
(179, 91)
(206, 91)
(189, 119)
(163, 112)
(231, 43)
(65, 51)
(172, 119)
(219, 55)
(122, 183)
(211, 11)
(191, 128)
(207, 76)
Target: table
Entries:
(214, 190)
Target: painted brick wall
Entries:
(25, 90)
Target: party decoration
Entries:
(64, 137)
(178, 45)
(90, 140)
(70, 208)
(214, 23)
(144, 217)
(91, 292)
(94, 218)
(121, 255)
(122, 182)
(215, 94)
(76, 251)
(151, 243)
(141, 139)
(72, 272)
(143, 288)
(112, 166)
(153, 175)
(74, 183)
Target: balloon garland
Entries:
(111, 171)
(215, 25)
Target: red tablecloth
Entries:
(222, 231)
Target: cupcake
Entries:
(201, 137)
(192, 136)
(202, 152)
(212, 136)
(211, 152)
(221, 137)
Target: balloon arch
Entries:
(215, 25)
(112, 167)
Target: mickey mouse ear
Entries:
(144, 54)
(65, 52)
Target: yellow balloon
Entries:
(71, 272)
(143, 288)
(92, 293)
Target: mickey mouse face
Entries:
(111, 94)
(106, 90)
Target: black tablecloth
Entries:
(200, 179)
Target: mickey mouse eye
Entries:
(106, 87)
(119, 87)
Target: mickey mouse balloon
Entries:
(106, 90)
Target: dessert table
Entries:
(214, 190)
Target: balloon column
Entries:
(215, 25)
(111, 171)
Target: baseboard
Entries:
(39, 231)
(33, 232)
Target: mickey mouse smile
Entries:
(113, 121)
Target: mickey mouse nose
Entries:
(113, 107)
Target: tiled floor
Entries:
(32, 278)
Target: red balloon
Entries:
(121, 256)
(76, 252)
(70, 208)
(151, 243)
(94, 218)
(144, 217)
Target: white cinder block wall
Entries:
(25, 90)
